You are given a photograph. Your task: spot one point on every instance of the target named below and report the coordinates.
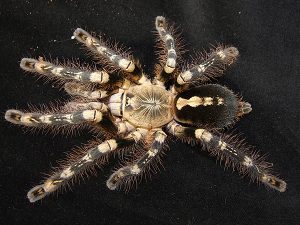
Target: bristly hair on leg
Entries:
(142, 164)
(208, 65)
(235, 153)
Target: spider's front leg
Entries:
(167, 52)
(233, 152)
(112, 59)
(94, 156)
(128, 173)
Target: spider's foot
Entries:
(274, 182)
(118, 177)
(18, 117)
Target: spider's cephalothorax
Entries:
(135, 115)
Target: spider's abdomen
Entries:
(147, 106)
(212, 106)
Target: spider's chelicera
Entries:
(136, 115)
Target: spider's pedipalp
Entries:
(38, 119)
(233, 152)
(59, 72)
(213, 66)
(128, 173)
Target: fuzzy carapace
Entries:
(135, 115)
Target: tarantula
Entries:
(136, 114)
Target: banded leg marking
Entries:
(233, 154)
(169, 44)
(38, 119)
(213, 66)
(62, 177)
(116, 179)
(97, 46)
(56, 71)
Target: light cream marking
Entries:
(193, 102)
(168, 37)
(101, 49)
(221, 54)
(172, 127)
(127, 65)
(203, 135)
(66, 173)
(99, 76)
(184, 77)
(160, 137)
(199, 133)
(207, 101)
(41, 67)
(201, 68)
(107, 146)
(87, 157)
(49, 186)
(247, 161)
(135, 169)
(92, 115)
(57, 71)
(46, 119)
(222, 145)
(220, 101)
(152, 152)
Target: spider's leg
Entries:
(211, 66)
(234, 153)
(64, 73)
(168, 54)
(127, 173)
(80, 165)
(91, 113)
(110, 57)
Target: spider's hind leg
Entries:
(234, 152)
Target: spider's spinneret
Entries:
(137, 115)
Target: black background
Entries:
(193, 188)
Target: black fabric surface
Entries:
(193, 188)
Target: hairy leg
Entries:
(110, 58)
(127, 173)
(77, 166)
(211, 66)
(63, 73)
(167, 52)
(233, 152)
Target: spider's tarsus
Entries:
(274, 182)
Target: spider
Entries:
(137, 115)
